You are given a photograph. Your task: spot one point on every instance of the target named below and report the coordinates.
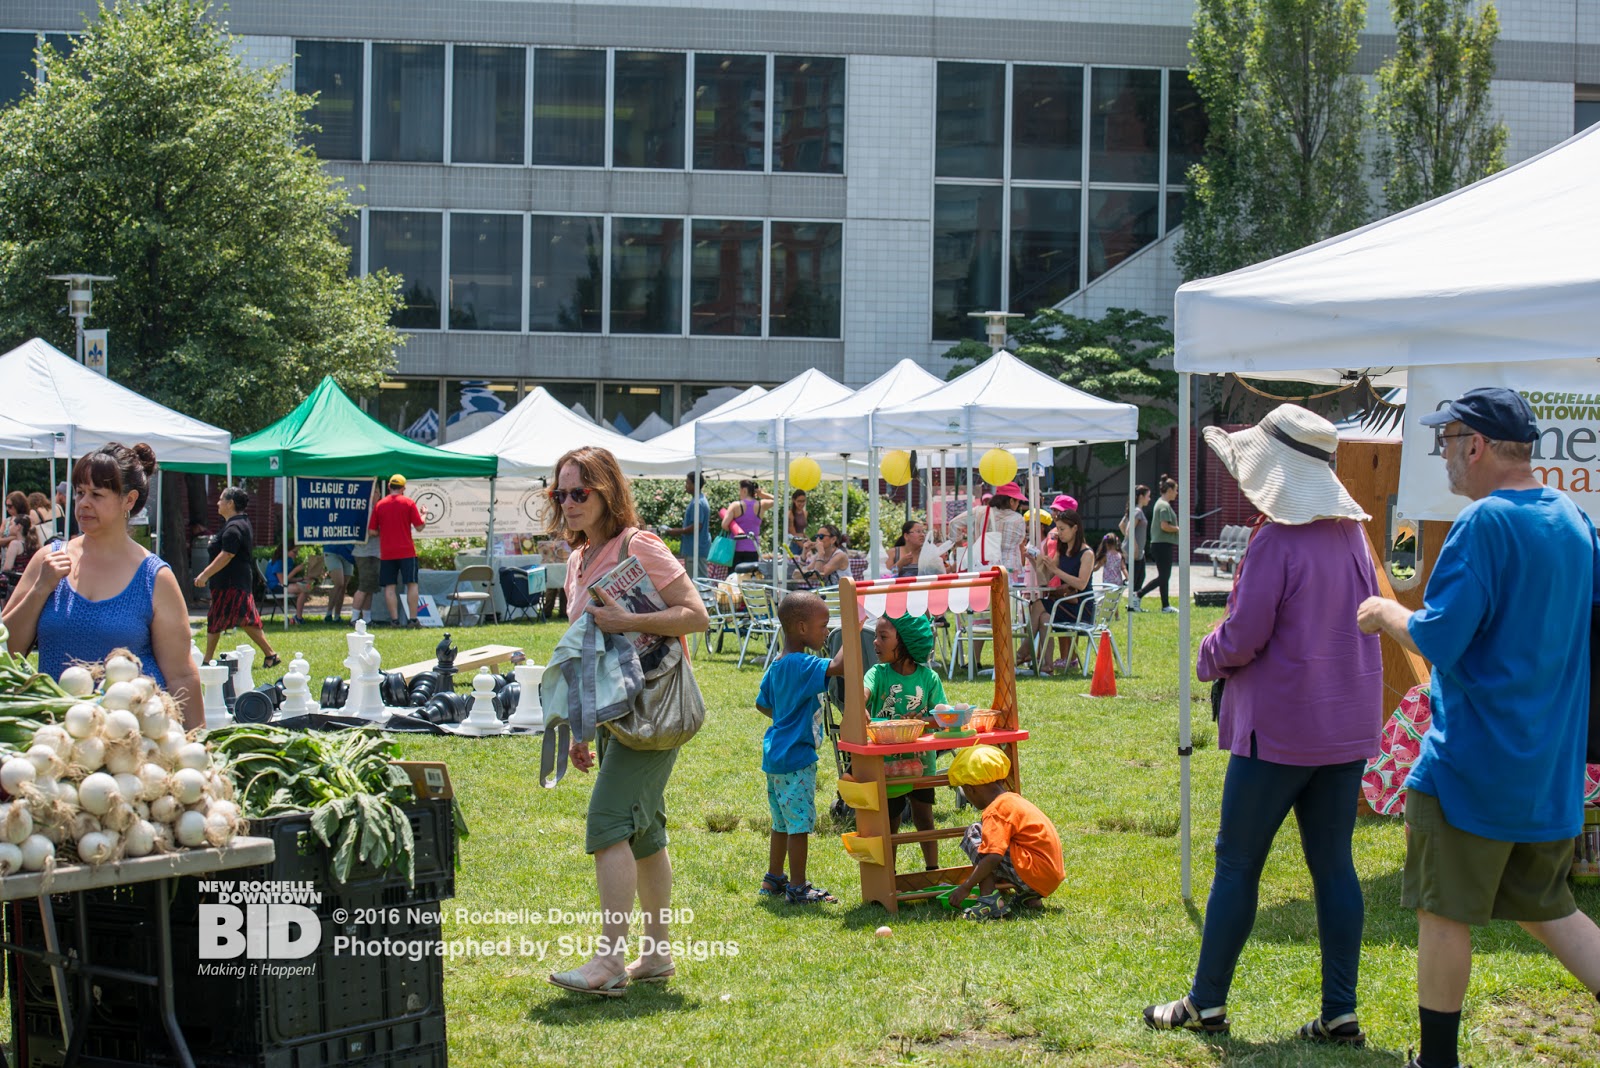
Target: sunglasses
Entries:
(578, 495)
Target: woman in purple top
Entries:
(102, 590)
(1301, 712)
(742, 521)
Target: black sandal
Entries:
(1341, 1030)
(773, 885)
(1182, 1014)
(272, 660)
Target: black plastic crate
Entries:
(418, 1043)
(39, 1044)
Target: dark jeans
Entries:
(1138, 573)
(1162, 553)
(1256, 796)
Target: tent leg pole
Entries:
(283, 579)
(694, 512)
(1185, 669)
(1127, 560)
(972, 508)
(844, 494)
(780, 521)
(874, 539)
(488, 554)
(157, 488)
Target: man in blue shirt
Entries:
(697, 515)
(1496, 795)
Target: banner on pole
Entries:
(332, 511)
(459, 507)
(94, 350)
(1565, 401)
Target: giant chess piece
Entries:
(366, 693)
(297, 689)
(482, 721)
(243, 677)
(213, 679)
(445, 664)
(530, 712)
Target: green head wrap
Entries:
(916, 636)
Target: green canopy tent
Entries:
(329, 435)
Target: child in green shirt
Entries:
(901, 685)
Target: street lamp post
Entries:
(80, 299)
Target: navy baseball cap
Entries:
(1497, 413)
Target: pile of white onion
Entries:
(116, 778)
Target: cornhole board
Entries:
(468, 661)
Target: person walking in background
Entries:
(1300, 715)
(742, 521)
(230, 573)
(694, 537)
(1163, 541)
(394, 518)
(1496, 795)
(1137, 539)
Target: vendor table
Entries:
(520, 563)
(438, 584)
(163, 869)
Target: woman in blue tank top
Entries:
(81, 599)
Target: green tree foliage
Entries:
(1110, 357)
(152, 154)
(1283, 162)
(1432, 111)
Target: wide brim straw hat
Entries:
(1284, 465)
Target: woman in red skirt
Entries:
(231, 576)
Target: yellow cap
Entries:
(397, 480)
(978, 765)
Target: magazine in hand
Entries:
(628, 587)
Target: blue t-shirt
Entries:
(1505, 622)
(697, 514)
(790, 689)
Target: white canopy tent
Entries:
(679, 441)
(1501, 272)
(531, 437)
(19, 441)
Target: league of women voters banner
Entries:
(1565, 397)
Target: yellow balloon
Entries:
(805, 473)
(896, 467)
(997, 467)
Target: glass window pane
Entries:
(808, 114)
(807, 265)
(725, 278)
(730, 112)
(569, 107)
(408, 102)
(1585, 113)
(579, 396)
(1121, 222)
(1047, 123)
(485, 272)
(966, 258)
(408, 406)
(971, 120)
(63, 43)
(647, 125)
(1175, 210)
(486, 104)
(407, 243)
(697, 400)
(471, 404)
(16, 65)
(565, 274)
(627, 408)
(347, 228)
(1125, 126)
(646, 276)
(332, 70)
(1186, 126)
(1044, 247)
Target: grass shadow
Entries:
(565, 1008)
(1290, 1052)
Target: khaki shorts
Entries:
(1462, 877)
(629, 802)
(367, 574)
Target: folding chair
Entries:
(761, 619)
(269, 593)
(476, 581)
(516, 589)
(720, 619)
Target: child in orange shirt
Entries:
(1014, 841)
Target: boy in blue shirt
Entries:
(789, 691)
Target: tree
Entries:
(1110, 357)
(152, 154)
(1435, 129)
(1283, 163)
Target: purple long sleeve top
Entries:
(1302, 679)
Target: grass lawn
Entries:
(813, 986)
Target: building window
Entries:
(569, 107)
(808, 115)
(408, 103)
(970, 121)
(1585, 107)
(16, 66)
(628, 408)
(1175, 210)
(486, 102)
(471, 404)
(408, 406)
(1044, 247)
(407, 243)
(565, 273)
(485, 272)
(1186, 127)
(730, 112)
(966, 256)
(578, 396)
(647, 118)
(1121, 222)
(347, 229)
(647, 276)
(1125, 126)
(1047, 123)
(725, 279)
(807, 268)
(331, 70)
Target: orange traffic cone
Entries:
(1104, 683)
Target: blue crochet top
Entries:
(75, 628)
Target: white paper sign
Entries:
(459, 507)
(1565, 397)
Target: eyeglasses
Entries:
(1440, 437)
(578, 495)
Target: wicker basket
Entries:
(985, 720)
(895, 731)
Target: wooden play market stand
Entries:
(865, 789)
